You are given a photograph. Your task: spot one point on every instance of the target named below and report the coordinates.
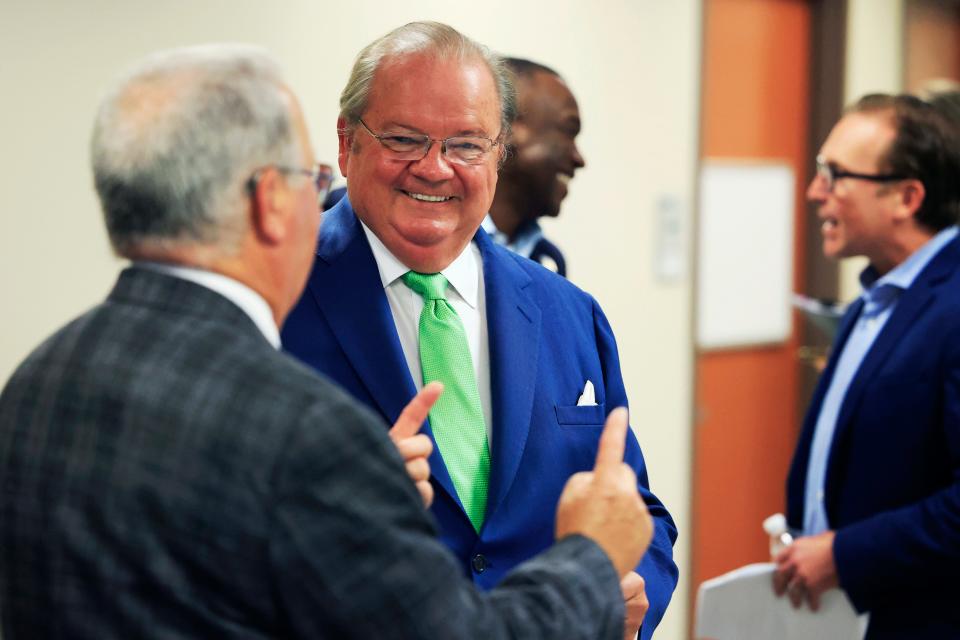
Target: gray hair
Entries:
(421, 37)
(176, 141)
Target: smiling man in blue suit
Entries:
(875, 481)
(406, 289)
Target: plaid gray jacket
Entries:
(167, 474)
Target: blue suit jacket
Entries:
(893, 477)
(547, 338)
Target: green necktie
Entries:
(456, 419)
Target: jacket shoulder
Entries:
(545, 283)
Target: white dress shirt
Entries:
(249, 301)
(465, 294)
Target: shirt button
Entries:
(479, 563)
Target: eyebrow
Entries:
(392, 124)
(833, 164)
(399, 125)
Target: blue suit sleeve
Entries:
(657, 568)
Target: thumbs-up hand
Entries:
(415, 447)
(604, 504)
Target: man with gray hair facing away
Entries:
(406, 289)
(168, 473)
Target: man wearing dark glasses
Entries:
(874, 488)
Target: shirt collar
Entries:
(525, 239)
(903, 275)
(463, 273)
(490, 227)
(249, 301)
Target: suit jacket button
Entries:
(479, 563)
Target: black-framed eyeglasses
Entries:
(320, 175)
(831, 174)
(464, 150)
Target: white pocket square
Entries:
(587, 398)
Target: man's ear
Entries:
(519, 132)
(345, 140)
(269, 210)
(911, 198)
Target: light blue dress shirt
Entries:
(880, 295)
(527, 236)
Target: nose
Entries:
(817, 189)
(433, 167)
(578, 161)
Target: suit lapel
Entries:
(513, 329)
(911, 303)
(346, 285)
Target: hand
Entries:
(635, 597)
(604, 504)
(415, 448)
(805, 569)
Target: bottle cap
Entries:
(775, 525)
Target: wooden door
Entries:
(755, 105)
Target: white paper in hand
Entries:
(741, 605)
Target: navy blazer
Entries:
(546, 337)
(893, 477)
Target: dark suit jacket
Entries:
(333, 197)
(893, 477)
(546, 339)
(166, 473)
(546, 249)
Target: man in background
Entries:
(541, 160)
(875, 482)
(168, 473)
(406, 290)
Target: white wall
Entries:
(640, 141)
(633, 64)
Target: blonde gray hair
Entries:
(177, 139)
(423, 37)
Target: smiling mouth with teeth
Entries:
(422, 197)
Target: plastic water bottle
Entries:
(780, 536)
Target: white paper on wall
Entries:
(745, 253)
